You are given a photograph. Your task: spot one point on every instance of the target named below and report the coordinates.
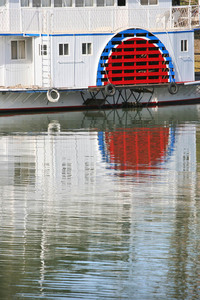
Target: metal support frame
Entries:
(124, 96)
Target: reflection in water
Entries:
(100, 205)
(138, 149)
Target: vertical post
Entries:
(74, 52)
(89, 22)
(198, 10)
(190, 15)
(21, 27)
(170, 17)
(112, 19)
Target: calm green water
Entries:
(100, 205)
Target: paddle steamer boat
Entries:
(75, 54)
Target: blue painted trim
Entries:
(44, 34)
(172, 32)
(11, 34)
(19, 34)
(91, 34)
(171, 148)
(31, 34)
(102, 146)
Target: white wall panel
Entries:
(76, 70)
(63, 65)
(183, 61)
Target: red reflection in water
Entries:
(137, 150)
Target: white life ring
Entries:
(53, 95)
(173, 88)
(110, 89)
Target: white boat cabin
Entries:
(74, 44)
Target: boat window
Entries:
(175, 2)
(14, 50)
(79, 3)
(148, 2)
(184, 45)
(88, 2)
(36, 3)
(109, 2)
(21, 49)
(67, 3)
(62, 3)
(121, 2)
(86, 48)
(41, 3)
(18, 49)
(63, 49)
(2, 2)
(24, 3)
(106, 2)
(100, 2)
(46, 3)
(82, 3)
(57, 3)
(43, 49)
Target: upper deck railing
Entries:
(96, 19)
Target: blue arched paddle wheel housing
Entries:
(135, 56)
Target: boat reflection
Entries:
(99, 198)
(127, 141)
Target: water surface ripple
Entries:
(100, 205)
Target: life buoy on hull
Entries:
(53, 95)
(173, 88)
(110, 89)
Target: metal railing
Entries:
(96, 19)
